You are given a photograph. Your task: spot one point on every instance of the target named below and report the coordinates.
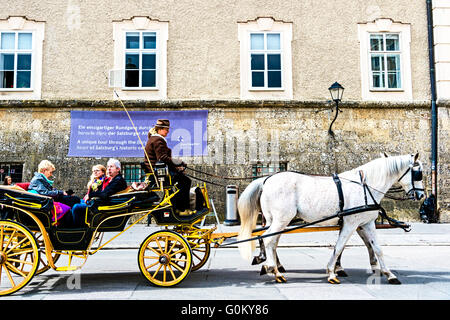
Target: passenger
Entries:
(116, 184)
(98, 181)
(157, 150)
(41, 184)
(8, 181)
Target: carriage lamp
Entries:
(336, 91)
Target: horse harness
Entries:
(416, 175)
(341, 213)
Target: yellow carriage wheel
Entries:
(201, 250)
(19, 256)
(165, 258)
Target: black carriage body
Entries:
(102, 215)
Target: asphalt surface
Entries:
(419, 258)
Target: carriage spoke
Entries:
(20, 252)
(165, 273)
(21, 261)
(159, 245)
(1, 238)
(152, 265)
(166, 244)
(171, 272)
(10, 277)
(13, 268)
(177, 267)
(172, 247)
(157, 270)
(17, 244)
(154, 250)
(179, 251)
(10, 239)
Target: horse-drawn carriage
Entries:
(31, 241)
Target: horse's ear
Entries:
(384, 154)
(416, 157)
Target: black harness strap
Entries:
(338, 183)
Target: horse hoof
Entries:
(394, 281)
(280, 279)
(257, 260)
(334, 281)
(263, 271)
(341, 273)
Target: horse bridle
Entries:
(416, 175)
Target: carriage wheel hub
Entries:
(2, 257)
(164, 259)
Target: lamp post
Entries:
(336, 91)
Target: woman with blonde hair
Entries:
(97, 182)
(41, 184)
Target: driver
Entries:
(157, 150)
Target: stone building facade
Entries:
(261, 68)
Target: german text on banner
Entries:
(111, 133)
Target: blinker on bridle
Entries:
(416, 175)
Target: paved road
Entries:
(419, 259)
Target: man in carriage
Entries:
(157, 150)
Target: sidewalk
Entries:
(421, 234)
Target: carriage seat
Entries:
(41, 206)
(23, 185)
(126, 199)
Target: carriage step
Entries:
(68, 268)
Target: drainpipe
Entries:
(434, 123)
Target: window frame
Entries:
(385, 54)
(265, 25)
(265, 52)
(141, 51)
(22, 24)
(385, 25)
(16, 51)
(117, 72)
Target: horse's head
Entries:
(411, 179)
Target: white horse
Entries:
(288, 195)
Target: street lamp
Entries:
(336, 91)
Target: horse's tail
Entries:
(248, 208)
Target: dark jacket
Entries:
(41, 185)
(157, 150)
(116, 184)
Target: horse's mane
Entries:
(391, 166)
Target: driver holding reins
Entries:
(157, 150)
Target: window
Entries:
(140, 58)
(132, 172)
(14, 170)
(21, 42)
(385, 61)
(16, 49)
(260, 169)
(265, 59)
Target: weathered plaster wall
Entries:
(295, 132)
(203, 47)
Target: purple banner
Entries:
(111, 133)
